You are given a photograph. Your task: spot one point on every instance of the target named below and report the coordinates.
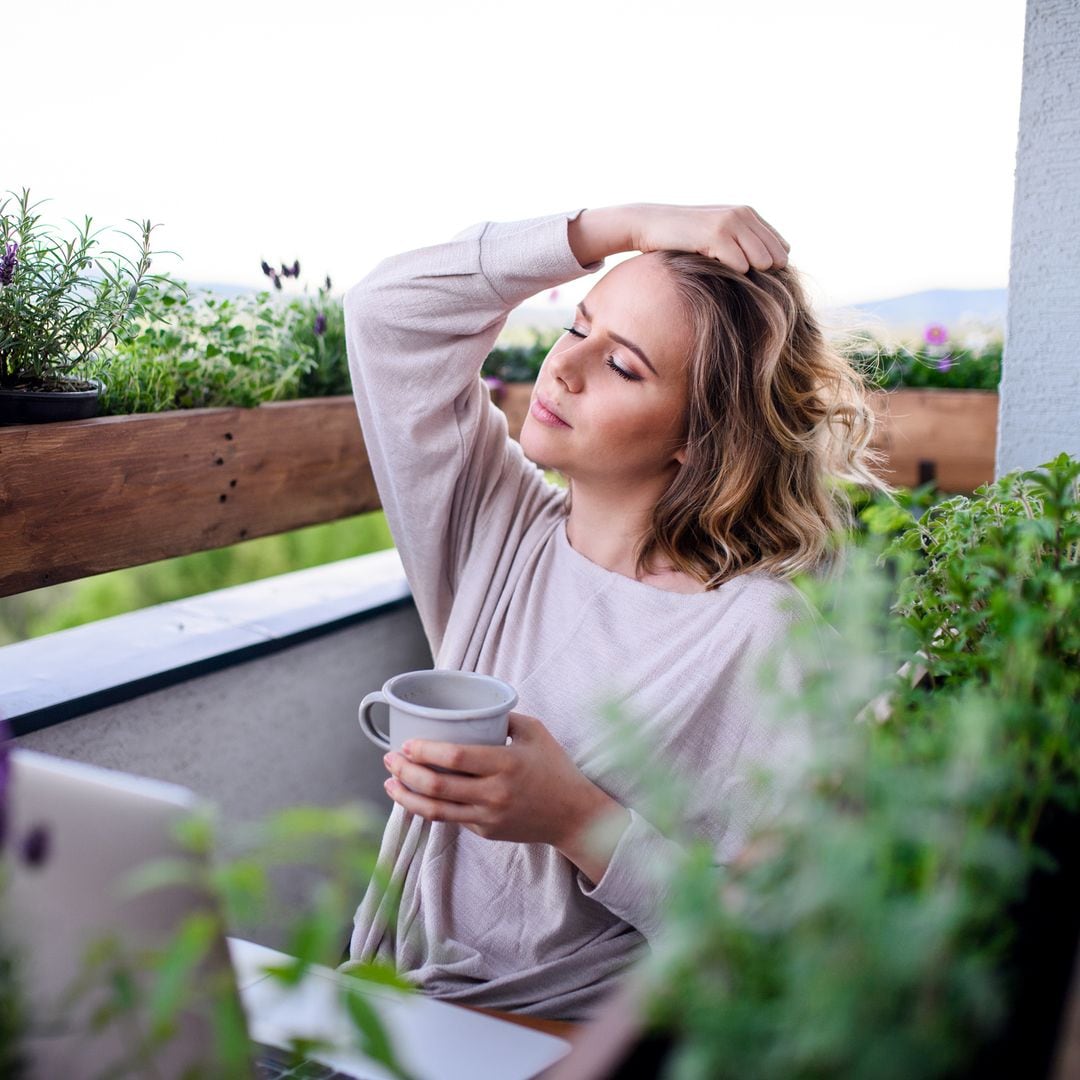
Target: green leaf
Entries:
(374, 1040)
(185, 952)
(375, 972)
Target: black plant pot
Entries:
(1047, 918)
(22, 405)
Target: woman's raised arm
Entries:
(737, 236)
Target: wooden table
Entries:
(564, 1029)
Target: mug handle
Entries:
(366, 725)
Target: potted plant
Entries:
(56, 311)
(913, 907)
(937, 401)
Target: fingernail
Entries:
(386, 760)
(387, 783)
(406, 748)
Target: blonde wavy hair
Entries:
(777, 418)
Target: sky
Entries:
(879, 138)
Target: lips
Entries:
(543, 410)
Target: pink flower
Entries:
(936, 334)
(553, 296)
(944, 363)
(496, 386)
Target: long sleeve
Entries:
(636, 885)
(418, 328)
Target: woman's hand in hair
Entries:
(737, 236)
(528, 792)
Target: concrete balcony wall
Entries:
(260, 734)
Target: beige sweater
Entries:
(499, 590)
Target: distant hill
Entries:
(950, 307)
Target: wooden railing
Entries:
(88, 496)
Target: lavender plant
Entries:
(55, 311)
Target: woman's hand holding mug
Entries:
(528, 792)
(448, 753)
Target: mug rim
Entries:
(483, 712)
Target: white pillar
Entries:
(1040, 391)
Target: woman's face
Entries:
(621, 406)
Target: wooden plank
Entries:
(951, 434)
(87, 496)
(564, 1029)
(514, 399)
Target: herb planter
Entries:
(136, 489)
(172, 483)
(513, 399)
(947, 436)
(33, 406)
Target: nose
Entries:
(564, 364)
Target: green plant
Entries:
(928, 364)
(73, 603)
(520, 363)
(206, 351)
(54, 312)
(878, 925)
(198, 353)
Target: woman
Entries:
(698, 415)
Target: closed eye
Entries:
(621, 372)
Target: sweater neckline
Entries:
(617, 580)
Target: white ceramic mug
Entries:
(443, 705)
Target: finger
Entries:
(757, 254)
(428, 808)
(728, 251)
(475, 760)
(777, 255)
(436, 785)
(773, 233)
(521, 725)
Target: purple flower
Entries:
(320, 324)
(277, 281)
(945, 363)
(8, 262)
(327, 282)
(267, 269)
(936, 334)
(296, 268)
(35, 846)
(496, 386)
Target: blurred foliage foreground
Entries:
(908, 908)
(913, 911)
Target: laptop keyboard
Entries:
(272, 1063)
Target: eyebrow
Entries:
(622, 341)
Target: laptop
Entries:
(89, 828)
